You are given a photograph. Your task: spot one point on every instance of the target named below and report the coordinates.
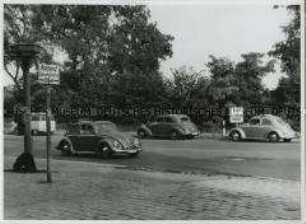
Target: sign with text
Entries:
(236, 114)
(49, 74)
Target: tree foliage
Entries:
(288, 51)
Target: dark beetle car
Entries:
(172, 125)
(101, 137)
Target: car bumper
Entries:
(127, 151)
(288, 136)
(192, 134)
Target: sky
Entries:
(222, 30)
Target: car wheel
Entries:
(174, 135)
(66, 148)
(273, 137)
(104, 151)
(34, 132)
(132, 155)
(141, 134)
(287, 139)
(235, 136)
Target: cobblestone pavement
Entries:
(84, 191)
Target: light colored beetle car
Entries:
(263, 127)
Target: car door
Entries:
(88, 139)
(156, 126)
(251, 130)
(168, 126)
(73, 134)
(265, 127)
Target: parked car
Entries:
(172, 125)
(100, 137)
(263, 127)
(38, 124)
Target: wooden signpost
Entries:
(48, 75)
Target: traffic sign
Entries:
(236, 114)
(49, 74)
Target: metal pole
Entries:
(27, 118)
(48, 125)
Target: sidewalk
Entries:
(106, 192)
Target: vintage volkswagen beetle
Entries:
(172, 125)
(263, 127)
(101, 137)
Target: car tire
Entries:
(104, 151)
(235, 136)
(133, 155)
(273, 137)
(287, 139)
(141, 134)
(66, 148)
(34, 132)
(174, 135)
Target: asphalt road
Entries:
(197, 156)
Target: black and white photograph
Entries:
(153, 110)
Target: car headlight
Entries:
(117, 145)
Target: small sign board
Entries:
(236, 115)
(49, 74)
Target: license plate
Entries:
(195, 133)
(132, 151)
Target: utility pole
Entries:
(48, 125)
(48, 76)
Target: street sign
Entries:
(236, 115)
(49, 74)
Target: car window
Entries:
(168, 120)
(254, 121)
(184, 119)
(74, 129)
(87, 129)
(160, 119)
(266, 121)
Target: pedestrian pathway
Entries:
(86, 191)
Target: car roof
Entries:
(270, 116)
(83, 122)
(93, 122)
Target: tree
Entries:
(288, 51)
(186, 88)
(103, 44)
(239, 83)
(249, 73)
(223, 88)
(113, 44)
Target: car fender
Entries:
(280, 133)
(108, 141)
(240, 130)
(68, 140)
(178, 128)
(146, 129)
